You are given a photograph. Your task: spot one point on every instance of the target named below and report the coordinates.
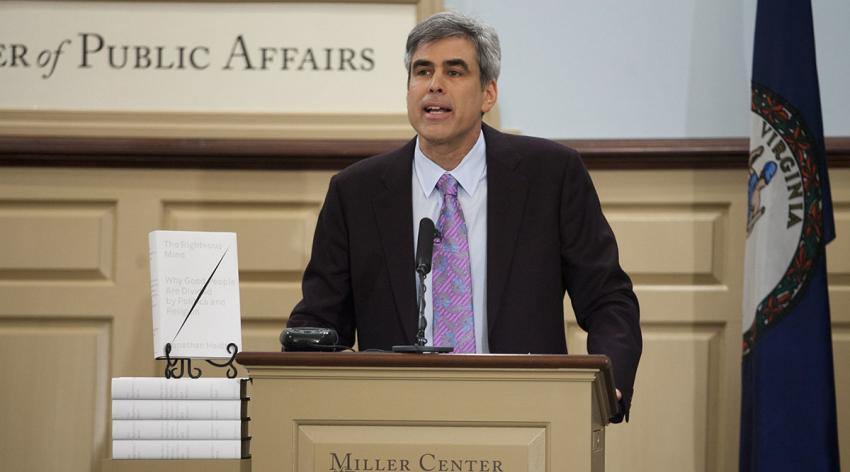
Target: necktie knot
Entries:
(447, 185)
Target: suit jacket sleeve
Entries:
(600, 291)
(327, 297)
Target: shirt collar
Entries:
(468, 173)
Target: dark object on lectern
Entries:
(309, 339)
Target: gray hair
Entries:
(449, 24)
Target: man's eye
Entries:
(455, 73)
(422, 72)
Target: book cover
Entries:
(179, 409)
(181, 449)
(180, 429)
(154, 388)
(194, 293)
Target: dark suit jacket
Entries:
(545, 235)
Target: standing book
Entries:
(194, 293)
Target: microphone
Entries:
(425, 246)
(424, 252)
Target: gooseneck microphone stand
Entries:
(424, 251)
(420, 303)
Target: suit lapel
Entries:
(394, 218)
(507, 190)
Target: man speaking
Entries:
(518, 218)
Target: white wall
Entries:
(645, 69)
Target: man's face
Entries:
(444, 94)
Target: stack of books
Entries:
(158, 418)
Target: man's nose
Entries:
(436, 85)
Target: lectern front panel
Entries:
(356, 417)
(446, 448)
(299, 420)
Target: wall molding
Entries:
(306, 154)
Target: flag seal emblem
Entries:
(784, 228)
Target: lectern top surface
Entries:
(390, 359)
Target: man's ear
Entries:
(491, 93)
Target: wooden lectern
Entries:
(387, 412)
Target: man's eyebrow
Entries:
(421, 63)
(456, 62)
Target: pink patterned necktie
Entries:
(452, 284)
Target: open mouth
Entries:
(436, 110)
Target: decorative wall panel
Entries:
(669, 244)
(53, 404)
(62, 240)
(841, 358)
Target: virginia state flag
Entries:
(788, 419)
